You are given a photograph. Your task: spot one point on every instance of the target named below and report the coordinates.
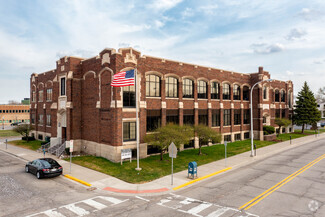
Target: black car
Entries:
(44, 167)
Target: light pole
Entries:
(251, 99)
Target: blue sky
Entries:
(286, 37)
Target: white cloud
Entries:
(296, 34)
(209, 9)
(164, 4)
(188, 12)
(159, 24)
(310, 14)
(263, 48)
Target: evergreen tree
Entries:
(306, 111)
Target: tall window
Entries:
(153, 120)
(236, 92)
(129, 131)
(188, 116)
(40, 96)
(215, 117)
(153, 85)
(40, 121)
(33, 119)
(202, 90)
(264, 92)
(226, 91)
(277, 113)
(62, 90)
(48, 120)
(237, 117)
(283, 113)
(203, 117)
(129, 96)
(215, 90)
(246, 93)
(290, 100)
(49, 94)
(226, 117)
(188, 90)
(33, 96)
(283, 96)
(171, 87)
(277, 96)
(246, 116)
(172, 116)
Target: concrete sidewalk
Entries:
(161, 185)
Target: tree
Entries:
(206, 135)
(320, 96)
(282, 122)
(24, 130)
(306, 111)
(164, 136)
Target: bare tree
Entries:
(320, 96)
(13, 102)
(24, 130)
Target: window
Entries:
(264, 119)
(188, 116)
(152, 85)
(49, 94)
(188, 90)
(264, 92)
(236, 92)
(227, 138)
(172, 116)
(277, 113)
(153, 120)
(40, 96)
(129, 96)
(290, 100)
(203, 117)
(202, 90)
(283, 115)
(226, 91)
(48, 120)
(129, 131)
(277, 96)
(215, 117)
(246, 93)
(226, 117)
(33, 96)
(246, 135)
(237, 117)
(40, 121)
(171, 87)
(215, 90)
(62, 87)
(283, 96)
(33, 119)
(237, 137)
(40, 137)
(283, 129)
(246, 116)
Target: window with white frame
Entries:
(48, 120)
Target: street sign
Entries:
(126, 154)
(318, 125)
(172, 149)
(71, 146)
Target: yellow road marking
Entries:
(199, 179)
(260, 197)
(77, 180)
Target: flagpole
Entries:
(137, 117)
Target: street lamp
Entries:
(251, 99)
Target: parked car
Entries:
(14, 124)
(322, 124)
(44, 167)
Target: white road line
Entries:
(141, 198)
(112, 199)
(199, 208)
(94, 204)
(52, 213)
(77, 210)
(218, 212)
(162, 201)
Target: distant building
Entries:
(321, 108)
(25, 101)
(14, 114)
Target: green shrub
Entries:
(268, 130)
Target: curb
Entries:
(77, 180)
(136, 191)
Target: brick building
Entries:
(76, 102)
(14, 114)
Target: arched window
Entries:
(246, 93)
(236, 92)
(202, 90)
(264, 92)
(290, 99)
(215, 90)
(152, 85)
(188, 91)
(226, 91)
(277, 96)
(171, 87)
(283, 96)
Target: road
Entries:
(300, 194)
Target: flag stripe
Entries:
(124, 78)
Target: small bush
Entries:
(268, 130)
(30, 138)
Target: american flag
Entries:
(124, 78)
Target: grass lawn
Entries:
(153, 168)
(8, 133)
(33, 145)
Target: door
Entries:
(64, 134)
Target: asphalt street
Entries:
(300, 194)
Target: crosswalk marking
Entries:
(52, 213)
(199, 208)
(218, 212)
(75, 209)
(94, 204)
(112, 200)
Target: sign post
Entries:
(71, 150)
(172, 149)
(125, 154)
(225, 153)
